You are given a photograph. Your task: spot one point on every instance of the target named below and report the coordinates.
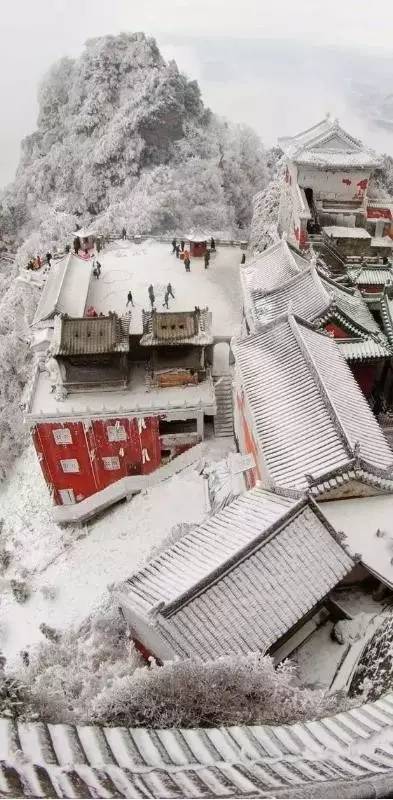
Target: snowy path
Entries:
(80, 569)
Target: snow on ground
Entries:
(368, 525)
(80, 563)
(319, 657)
(132, 267)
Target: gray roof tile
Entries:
(308, 412)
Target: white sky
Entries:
(35, 33)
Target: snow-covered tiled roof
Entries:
(342, 232)
(177, 328)
(90, 335)
(349, 754)
(387, 312)
(382, 241)
(65, 290)
(349, 303)
(370, 276)
(363, 349)
(281, 277)
(328, 145)
(309, 414)
(215, 592)
(304, 294)
(270, 269)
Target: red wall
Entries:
(338, 333)
(365, 375)
(249, 445)
(372, 289)
(89, 446)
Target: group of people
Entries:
(152, 298)
(36, 263)
(180, 248)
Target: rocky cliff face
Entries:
(124, 138)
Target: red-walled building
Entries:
(101, 409)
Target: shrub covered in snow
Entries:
(20, 590)
(65, 676)
(95, 675)
(231, 690)
(123, 138)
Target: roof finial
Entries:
(336, 122)
(327, 115)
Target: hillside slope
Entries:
(124, 138)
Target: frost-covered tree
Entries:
(17, 306)
(124, 138)
(94, 674)
(263, 230)
(381, 183)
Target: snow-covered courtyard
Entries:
(133, 267)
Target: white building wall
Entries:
(341, 185)
(145, 633)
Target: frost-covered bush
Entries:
(64, 677)
(123, 138)
(17, 307)
(20, 590)
(50, 633)
(94, 674)
(232, 690)
(13, 697)
(5, 559)
(263, 230)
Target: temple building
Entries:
(301, 414)
(255, 577)
(104, 406)
(325, 187)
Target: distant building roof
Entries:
(370, 276)
(350, 305)
(90, 335)
(341, 232)
(309, 414)
(241, 580)
(367, 349)
(328, 145)
(177, 328)
(65, 290)
(387, 312)
(382, 241)
(349, 754)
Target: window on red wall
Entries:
(111, 462)
(116, 433)
(69, 465)
(62, 436)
